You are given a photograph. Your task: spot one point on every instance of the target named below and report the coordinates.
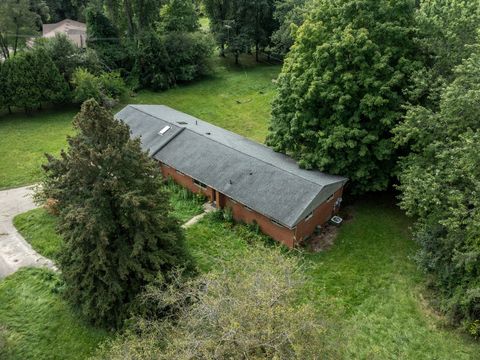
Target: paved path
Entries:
(207, 207)
(15, 252)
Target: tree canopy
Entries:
(114, 217)
(440, 186)
(340, 91)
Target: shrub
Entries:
(107, 88)
(247, 310)
(163, 61)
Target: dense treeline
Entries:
(387, 92)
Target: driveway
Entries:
(15, 252)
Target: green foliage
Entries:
(38, 323)
(341, 89)
(248, 310)
(164, 61)
(289, 14)
(447, 29)
(17, 23)
(240, 25)
(66, 9)
(68, 57)
(114, 217)
(107, 88)
(440, 184)
(104, 37)
(32, 79)
(37, 226)
(178, 15)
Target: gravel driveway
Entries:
(15, 252)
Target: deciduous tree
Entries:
(440, 186)
(341, 89)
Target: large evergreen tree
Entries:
(113, 216)
(341, 89)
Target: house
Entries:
(258, 184)
(74, 30)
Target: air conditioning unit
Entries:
(337, 220)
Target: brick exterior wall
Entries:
(289, 237)
(249, 216)
(320, 216)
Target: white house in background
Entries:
(74, 30)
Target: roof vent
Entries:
(164, 130)
(208, 133)
(182, 122)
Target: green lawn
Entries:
(366, 283)
(38, 324)
(237, 98)
(24, 140)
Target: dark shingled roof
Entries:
(248, 172)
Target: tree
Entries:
(163, 61)
(104, 37)
(178, 15)
(218, 12)
(447, 31)
(289, 15)
(247, 309)
(340, 91)
(113, 216)
(51, 85)
(17, 24)
(68, 57)
(440, 186)
(262, 24)
(66, 9)
(106, 89)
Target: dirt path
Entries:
(15, 252)
(207, 207)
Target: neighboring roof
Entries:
(74, 30)
(248, 172)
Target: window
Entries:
(309, 216)
(164, 130)
(199, 184)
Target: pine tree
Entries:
(53, 87)
(113, 216)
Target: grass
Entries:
(25, 138)
(38, 324)
(366, 283)
(237, 98)
(38, 227)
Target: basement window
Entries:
(164, 130)
(309, 216)
(199, 184)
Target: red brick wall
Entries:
(277, 232)
(321, 215)
(289, 237)
(185, 181)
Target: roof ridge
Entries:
(242, 152)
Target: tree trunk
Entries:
(256, 51)
(128, 12)
(222, 49)
(9, 109)
(236, 57)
